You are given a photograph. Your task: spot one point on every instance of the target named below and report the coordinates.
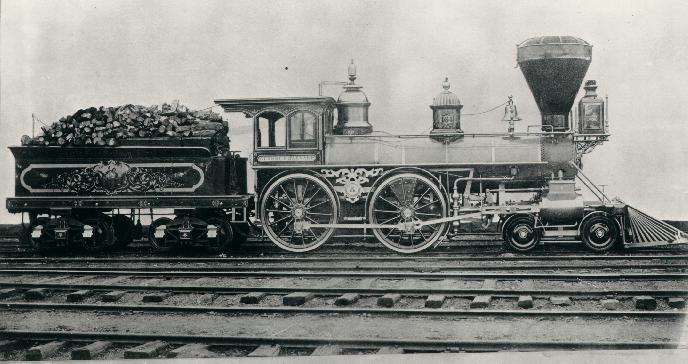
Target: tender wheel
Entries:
(407, 199)
(293, 200)
(220, 238)
(521, 235)
(124, 230)
(599, 233)
(32, 235)
(156, 233)
(100, 235)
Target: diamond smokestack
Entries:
(554, 68)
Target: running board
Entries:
(648, 231)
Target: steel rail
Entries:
(287, 258)
(347, 311)
(333, 291)
(377, 268)
(349, 343)
(403, 275)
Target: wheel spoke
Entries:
(426, 214)
(403, 190)
(280, 220)
(386, 221)
(284, 228)
(296, 193)
(389, 233)
(280, 211)
(315, 237)
(311, 220)
(283, 204)
(312, 197)
(427, 204)
(305, 190)
(318, 213)
(421, 197)
(316, 205)
(286, 194)
(387, 211)
(389, 202)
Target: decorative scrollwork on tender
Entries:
(352, 179)
(113, 177)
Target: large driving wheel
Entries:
(407, 199)
(293, 200)
(599, 233)
(520, 233)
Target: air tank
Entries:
(554, 68)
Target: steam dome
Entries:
(446, 97)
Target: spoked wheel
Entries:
(156, 233)
(222, 235)
(599, 233)
(293, 200)
(407, 199)
(520, 234)
(101, 234)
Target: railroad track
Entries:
(332, 291)
(145, 346)
(342, 273)
(289, 290)
(254, 247)
(244, 310)
(338, 266)
(347, 257)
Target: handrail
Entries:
(580, 173)
(410, 136)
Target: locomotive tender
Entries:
(319, 166)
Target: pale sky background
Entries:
(59, 56)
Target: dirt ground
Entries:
(353, 326)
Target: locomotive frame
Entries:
(353, 189)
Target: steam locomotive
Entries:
(319, 167)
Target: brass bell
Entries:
(511, 115)
(510, 111)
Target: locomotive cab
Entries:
(287, 131)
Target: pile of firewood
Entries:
(107, 126)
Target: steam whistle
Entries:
(511, 115)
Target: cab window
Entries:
(302, 130)
(271, 130)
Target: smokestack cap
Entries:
(554, 46)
